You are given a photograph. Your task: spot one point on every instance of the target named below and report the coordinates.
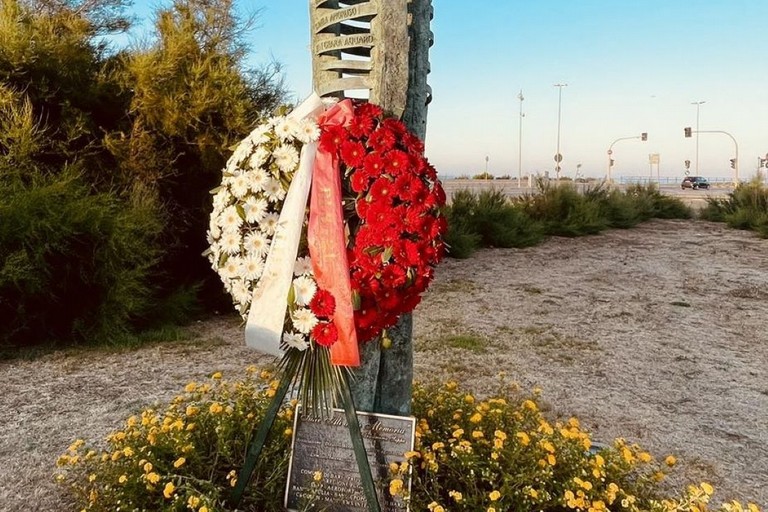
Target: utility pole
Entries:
(558, 156)
(520, 144)
(698, 105)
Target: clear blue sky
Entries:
(631, 67)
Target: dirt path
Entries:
(657, 334)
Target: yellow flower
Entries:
(193, 501)
(153, 478)
(533, 493)
(524, 438)
(189, 388)
(395, 487)
(469, 399)
(458, 433)
(412, 455)
(216, 375)
(203, 509)
(179, 462)
(551, 459)
(645, 457)
(215, 408)
(708, 489)
(490, 509)
(317, 476)
(91, 477)
(434, 507)
(477, 434)
(148, 467)
(494, 495)
(476, 418)
(670, 460)
(288, 432)
(500, 435)
(456, 495)
(122, 479)
(128, 451)
(438, 445)
(192, 410)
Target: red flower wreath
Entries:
(396, 228)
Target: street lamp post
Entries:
(558, 156)
(520, 145)
(698, 107)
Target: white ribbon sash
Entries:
(264, 327)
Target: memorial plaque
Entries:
(325, 445)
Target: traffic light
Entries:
(687, 164)
(611, 162)
(644, 136)
(733, 163)
(762, 162)
(687, 131)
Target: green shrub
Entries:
(471, 455)
(487, 219)
(564, 211)
(74, 264)
(652, 203)
(745, 208)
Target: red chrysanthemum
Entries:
(382, 139)
(352, 153)
(361, 126)
(331, 138)
(325, 334)
(323, 304)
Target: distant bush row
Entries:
(491, 219)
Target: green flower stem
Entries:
(357, 444)
(258, 442)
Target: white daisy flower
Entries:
(258, 158)
(308, 131)
(256, 244)
(214, 231)
(230, 220)
(259, 134)
(253, 266)
(255, 209)
(295, 340)
(274, 190)
(304, 289)
(258, 179)
(286, 158)
(241, 152)
(302, 266)
(240, 186)
(269, 223)
(221, 199)
(241, 292)
(230, 242)
(286, 128)
(303, 320)
(231, 268)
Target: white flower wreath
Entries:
(246, 209)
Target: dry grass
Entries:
(591, 321)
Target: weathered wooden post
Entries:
(382, 47)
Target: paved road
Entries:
(696, 198)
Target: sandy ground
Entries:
(657, 334)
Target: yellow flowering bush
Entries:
(186, 455)
(494, 455)
(503, 454)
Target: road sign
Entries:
(610, 152)
(558, 158)
(653, 158)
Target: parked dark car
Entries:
(694, 182)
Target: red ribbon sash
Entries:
(327, 241)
